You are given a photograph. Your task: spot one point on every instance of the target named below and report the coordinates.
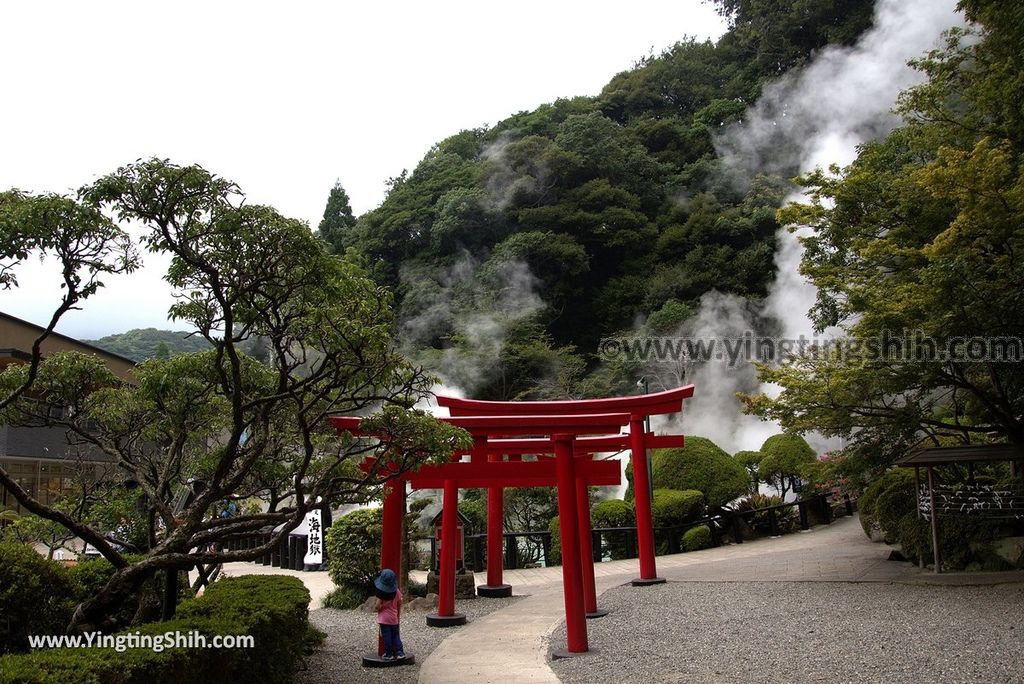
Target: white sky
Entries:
(285, 98)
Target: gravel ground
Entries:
(351, 634)
(803, 632)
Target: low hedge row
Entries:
(272, 609)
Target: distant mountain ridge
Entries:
(147, 343)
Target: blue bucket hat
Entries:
(386, 581)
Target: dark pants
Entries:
(392, 642)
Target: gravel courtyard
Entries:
(803, 632)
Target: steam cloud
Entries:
(811, 119)
(474, 303)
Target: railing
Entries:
(614, 543)
(289, 554)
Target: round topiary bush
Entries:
(697, 538)
(703, 466)
(353, 550)
(672, 507)
(613, 513)
(893, 504)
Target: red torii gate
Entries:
(638, 408)
(564, 423)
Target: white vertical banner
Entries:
(315, 540)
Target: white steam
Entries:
(469, 309)
(812, 119)
(509, 179)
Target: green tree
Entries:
(219, 416)
(751, 460)
(337, 223)
(916, 250)
(783, 458)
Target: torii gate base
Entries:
(453, 620)
(498, 591)
(641, 582)
(374, 660)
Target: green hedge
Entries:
(556, 542)
(273, 609)
(673, 507)
(901, 480)
(36, 596)
(697, 538)
(703, 466)
(613, 513)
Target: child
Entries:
(388, 607)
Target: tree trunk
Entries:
(101, 612)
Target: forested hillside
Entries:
(140, 344)
(146, 343)
(513, 249)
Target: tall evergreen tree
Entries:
(338, 219)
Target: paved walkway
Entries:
(510, 645)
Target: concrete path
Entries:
(510, 645)
(318, 583)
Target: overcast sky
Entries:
(285, 98)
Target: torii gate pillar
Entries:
(642, 501)
(446, 615)
(495, 587)
(572, 572)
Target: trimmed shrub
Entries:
(697, 538)
(36, 596)
(915, 535)
(613, 513)
(672, 507)
(889, 505)
(91, 575)
(556, 543)
(343, 598)
(892, 505)
(273, 609)
(867, 503)
(703, 466)
(353, 550)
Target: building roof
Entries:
(970, 453)
(17, 336)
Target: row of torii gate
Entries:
(565, 436)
